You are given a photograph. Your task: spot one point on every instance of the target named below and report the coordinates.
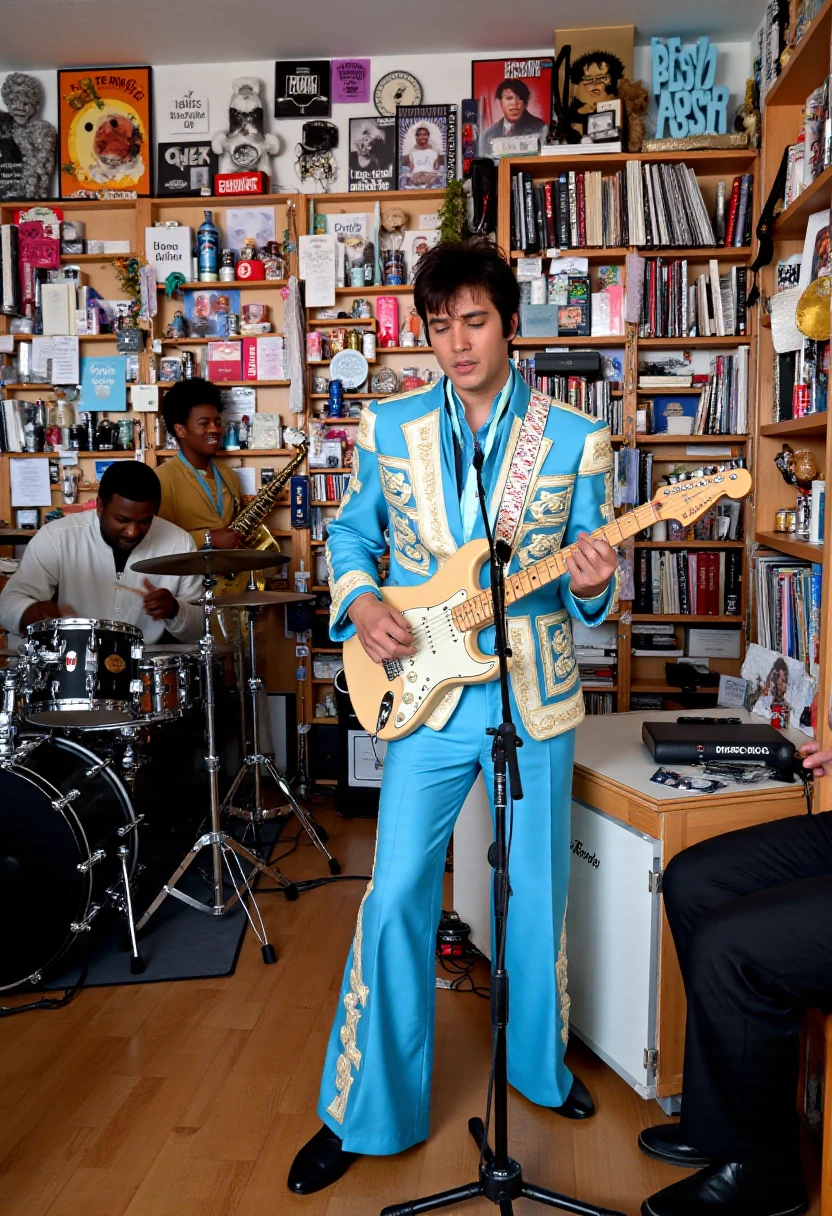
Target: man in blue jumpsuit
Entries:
(548, 479)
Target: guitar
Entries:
(393, 698)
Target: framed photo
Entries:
(105, 131)
(372, 153)
(425, 146)
(27, 517)
(599, 123)
(186, 169)
(302, 90)
(514, 97)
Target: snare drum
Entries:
(83, 673)
(168, 686)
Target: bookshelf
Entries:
(645, 674)
(806, 69)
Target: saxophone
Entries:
(249, 522)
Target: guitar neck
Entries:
(478, 611)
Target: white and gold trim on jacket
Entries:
(597, 453)
(366, 434)
(424, 443)
(541, 721)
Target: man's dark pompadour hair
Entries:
(452, 266)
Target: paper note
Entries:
(529, 268)
(144, 398)
(246, 476)
(317, 267)
(6, 344)
(30, 483)
(65, 362)
(42, 356)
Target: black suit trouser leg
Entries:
(751, 917)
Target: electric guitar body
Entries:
(447, 613)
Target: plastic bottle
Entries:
(208, 244)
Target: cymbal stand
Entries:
(224, 849)
(259, 764)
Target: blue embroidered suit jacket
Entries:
(403, 489)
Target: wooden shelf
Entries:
(694, 390)
(792, 222)
(342, 323)
(326, 649)
(595, 253)
(74, 204)
(71, 258)
(811, 424)
(321, 680)
(539, 343)
(599, 687)
(80, 337)
(321, 588)
(119, 452)
(689, 544)
(234, 383)
(686, 343)
(784, 543)
(404, 350)
(235, 284)
(662, 686)
(403, 290)
(351, 397)
(807, 66)
(708, 162)
(684, 619)
(683, 440)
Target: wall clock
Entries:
(396, 89)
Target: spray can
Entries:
(208, 245)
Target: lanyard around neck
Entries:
(469, 501)
(217, 499)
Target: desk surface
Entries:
(609, 746)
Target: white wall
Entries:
(444, 78)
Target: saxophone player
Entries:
(196, 496)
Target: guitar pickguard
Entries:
(441, 657)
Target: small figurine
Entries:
(245, 145)
(178, 327)
(23, 96)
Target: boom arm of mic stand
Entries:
(500, 557)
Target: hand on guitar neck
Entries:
(591, 564)
(382, 631)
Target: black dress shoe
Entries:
(579, 1104)
(731, 1190)
(319, 1163)
(665, 1144)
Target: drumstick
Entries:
(127, 587)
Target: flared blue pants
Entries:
(376, 1084)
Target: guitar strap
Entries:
(522, 466)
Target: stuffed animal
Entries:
(245, 145)
(636, 100)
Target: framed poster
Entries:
(105, 131)
(425, 146)
(351, 81)
(302, 90)
(372, 153)
(186, 169)
(514, 97)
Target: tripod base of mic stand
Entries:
(500, 1187)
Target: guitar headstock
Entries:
(685, 501)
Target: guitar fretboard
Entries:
(478, 611)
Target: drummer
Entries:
(81, 565)
(196, 495)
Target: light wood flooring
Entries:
(191, 1099)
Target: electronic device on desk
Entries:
(586, 363)
(700, 741)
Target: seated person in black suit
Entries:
(751, 917)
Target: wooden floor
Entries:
(191, 1099)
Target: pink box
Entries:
(387, 315)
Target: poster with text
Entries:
(105, 129)
(351, 81)
(514, 97)
(372, 153)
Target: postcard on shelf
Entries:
(104, 384)
(144, 398)
(243, 222)
(168, 250)
(207, 309)
(674, 415)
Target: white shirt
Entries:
(424, 160)
(68, 560)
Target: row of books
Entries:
(644, 204)
(788, 607)
(318, 524)
(328, 487)
(687, 583)
(673, 306)
(723, 404)
(598, 703)
(597, 665)
(735, 228)
(593, 397)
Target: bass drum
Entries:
(44, 896)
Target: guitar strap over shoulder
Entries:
(522, 466)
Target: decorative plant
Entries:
(452, 212)
(127, 271)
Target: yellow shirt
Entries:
(185, 503)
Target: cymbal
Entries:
(222, 561)
(259, 599)
(220, 648)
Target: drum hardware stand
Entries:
(223, 847)
(8, 728)
(500, 1179)
(257, 763)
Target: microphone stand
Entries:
(500, 1176)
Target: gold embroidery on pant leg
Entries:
(357, 995)
(561, 976)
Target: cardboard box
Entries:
(225, 361)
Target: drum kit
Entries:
(73, 850)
